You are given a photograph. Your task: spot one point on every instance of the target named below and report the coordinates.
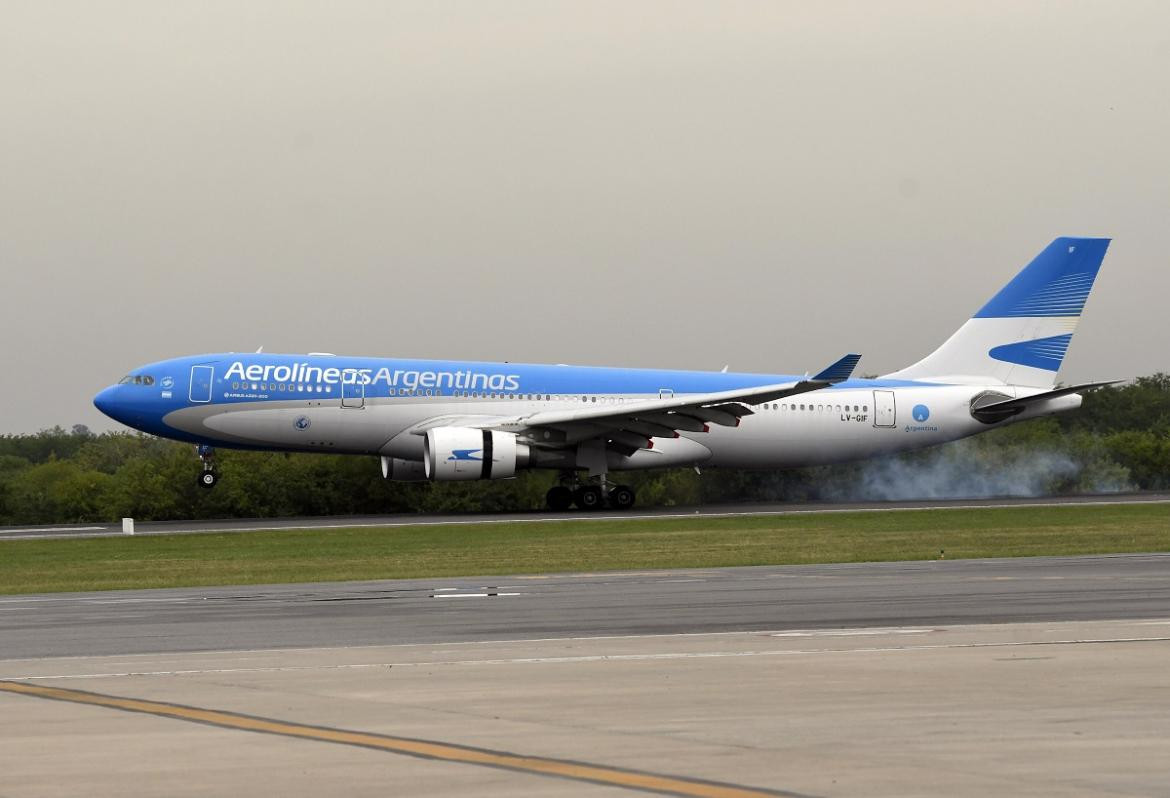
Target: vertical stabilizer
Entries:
(1021, 335)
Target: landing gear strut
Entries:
(588, 496)
(208, 477)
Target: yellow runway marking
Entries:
(427, 749)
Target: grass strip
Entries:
(311, 555)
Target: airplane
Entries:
(444, 420)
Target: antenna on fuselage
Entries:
(261, 349)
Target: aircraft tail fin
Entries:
(1021, 335)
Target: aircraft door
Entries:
(353, 389)
(202, 378)
(884, 411)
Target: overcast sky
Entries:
(662, 184)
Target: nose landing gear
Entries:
(208, 477)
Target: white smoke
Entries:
(966, 470)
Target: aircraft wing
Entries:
(631, 426)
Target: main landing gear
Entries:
(208, 477)
(588, 496)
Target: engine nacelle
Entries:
(461, 453)
(399, 470)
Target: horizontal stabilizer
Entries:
(839, 371)
(1006, 408)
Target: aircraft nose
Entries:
(104, 401)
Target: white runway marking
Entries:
(851, 632)
(474, 595)
(243, 652)
(593, 658)
(54, 529)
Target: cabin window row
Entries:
(821, 408)
(285, 387)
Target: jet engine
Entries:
(399, 470)
(461, 453)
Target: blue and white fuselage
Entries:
(469, 420)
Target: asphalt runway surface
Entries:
(332, 522)
(1037, 676)
(586, 605)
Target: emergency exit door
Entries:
(353, 389)
(884, 411)
(202, 378)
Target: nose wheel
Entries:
(208, 477)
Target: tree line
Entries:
(1119, 440)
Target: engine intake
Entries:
(462, 453)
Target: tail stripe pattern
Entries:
(1042, 353)
(1063, 297)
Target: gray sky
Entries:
(662, 184)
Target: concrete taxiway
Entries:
(1020, 709)
(1040, 676)
(717, 511)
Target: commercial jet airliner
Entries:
(455, 420)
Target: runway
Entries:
(1024, 677)
(579, 605)
(336, 522)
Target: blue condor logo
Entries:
(921, 413)
(464, 454)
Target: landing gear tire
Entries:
(589, 497)
(559, 498)
(621, 497)
(208, 479)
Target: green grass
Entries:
(36, 566)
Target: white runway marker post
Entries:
(127, 526)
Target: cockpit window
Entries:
(136, 379)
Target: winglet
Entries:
(839, 371)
